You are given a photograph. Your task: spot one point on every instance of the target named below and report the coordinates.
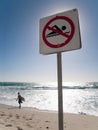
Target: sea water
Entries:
(77, 98)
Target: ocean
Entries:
(77, 98)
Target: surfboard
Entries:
(22, 98)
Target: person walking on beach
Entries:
(19, 98)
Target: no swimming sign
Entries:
(60, 32)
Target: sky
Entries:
(20, 60)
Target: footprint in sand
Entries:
(47, 121)
(29, 125)
(17, 116)
(8, 125)
(10, 115)
(3, 114)
(19, 128)
(47, 127)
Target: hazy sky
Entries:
(19, 42)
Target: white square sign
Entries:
(60, 32)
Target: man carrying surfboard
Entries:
(20, 99)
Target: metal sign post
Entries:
(60, 94)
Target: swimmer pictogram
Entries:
(62, 29)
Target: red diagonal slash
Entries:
(68, 37)
(57, 31)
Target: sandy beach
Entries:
(12, 118)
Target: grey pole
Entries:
(60, 94)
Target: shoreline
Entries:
(13, 118)
(43, 110)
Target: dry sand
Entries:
(31, 119)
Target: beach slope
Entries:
(32, 119)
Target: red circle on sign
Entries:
(69, 37)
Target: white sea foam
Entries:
(77, 98)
